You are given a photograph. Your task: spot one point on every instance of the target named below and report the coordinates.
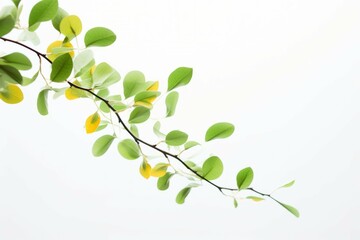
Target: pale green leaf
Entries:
(181, 196)
(171, 102)
(244, 178)
(212, 168)
(255, 199)
(128, 149)
(17, 60)
(156, 130)
(219, 130)
(70, 26)
(60, 14)
(164, 181)
(99, 36)
(42, 105)
(190, 144)
(176, 138)
(102, 144)
(139, 115)
(83, 62)
(179, 77)
(134, 82)
(291, 209)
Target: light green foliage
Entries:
(16, 60)
(212, 168)
(219, 130)
(171, 102)
(176, 138)
(139, 115)
(179, 77)
(163, 182)
(100, 37)
(102, 144)
(244, 178)
(61, 68)
(42, 105)
(128, 149)
(75, 73)
(44, 10)
(181, 196)
(134, 82)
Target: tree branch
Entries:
(136, 139)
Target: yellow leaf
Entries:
(153, 87)
(145, 169)
(57, 45)
(11, 94)
(72, 93)
(159, 170)
(92, 123)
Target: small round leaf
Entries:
(176, 138)
(128, 149)
(212, 168)
(100, 37)
(219, 130)
(244, 178)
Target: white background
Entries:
(285, 72)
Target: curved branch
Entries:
(136, 139)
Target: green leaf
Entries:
(255, 199)
(219, 130)
(102, 144)
(44, 10)
(288, 184)
(70, 26)
(146, 96)
(83, 62)
(235, 203)
(134, 82)
(171, 102)
(110, 80)
(16, 60)
(179, 77)
(156, 130)
(128, 149)
(164, 181)
(244, 178)
(176, 138)
(190, 144)
(102, 72)
(102, 126)
(212, 168)
(61, 68)
(60, 14)
(291, 209)
(7, 23)
(134, 130)
(42, 105)
(139, 115)
(10, 74)
(181, 196)
(27, 81)
(99, 36)
(16, 2)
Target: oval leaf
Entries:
(128, 149)
(244, 178)
(181, 196)
(190, 144)
(17, 60)
(10, 74)
(11, 94)
(176, 138)
(159, 170)
(171, 102)
(100, 37)
(179, 77)
(134, 82)
(60, 14)
(212, 168)
(164, 181)
(102, 144)
(70, 26)
(145, 169)
(7, 23)
(219, 130)
(92, 122)
(61, 68)
(43, 11)
(42, 104)
(139, 115)
(255, 199)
